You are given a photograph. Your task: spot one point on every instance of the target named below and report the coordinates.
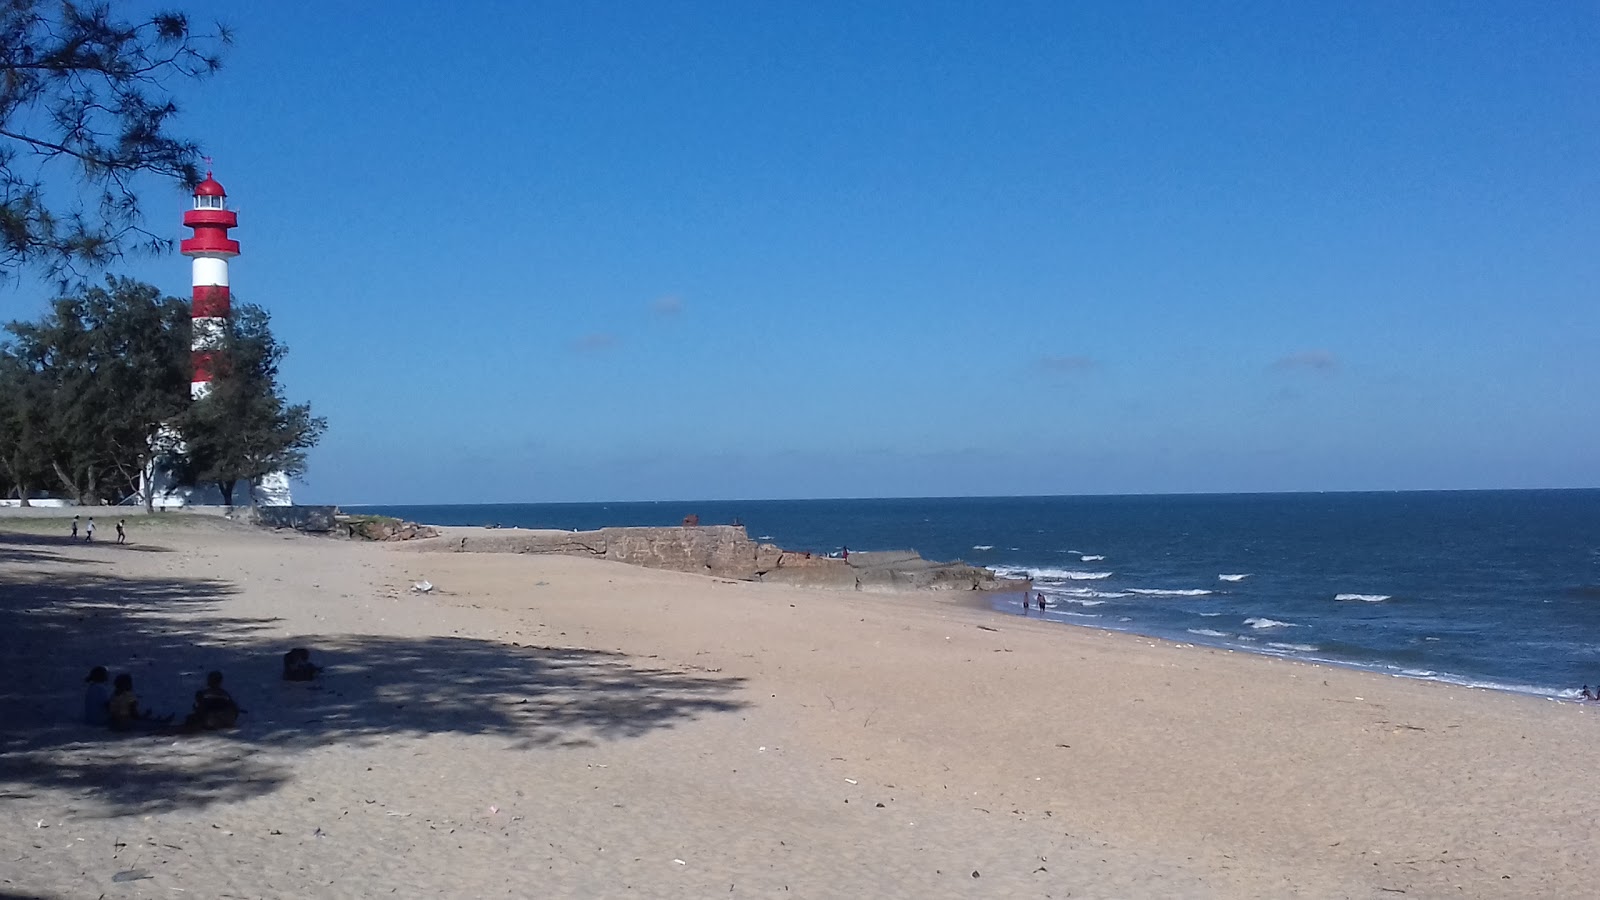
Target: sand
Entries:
(557, 727)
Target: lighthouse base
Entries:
(158, 483)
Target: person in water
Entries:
(214, 707)
(124, 709)
(1588, 694)
(97, 698)
(1041, 601)
(297, 665)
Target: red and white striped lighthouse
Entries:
(210, 248)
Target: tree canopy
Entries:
(244, 429)
(86, 108)
(97, 389)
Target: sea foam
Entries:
(1367, 598)
(1268, 623)
(1093, 558)
(1207, 632)
(983, 546)
(1233, 577)
(1162, 592)
(1050, 574)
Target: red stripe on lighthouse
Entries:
(204, 363)
(211, 301)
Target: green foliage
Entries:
(85, 101)
(244, 429)
(90, 395)
(88, 387)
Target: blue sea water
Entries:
(1489, 588)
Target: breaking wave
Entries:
(1050, 574)
(1366, 598)
(1162, 592)
(1268, 623)
(1233, 577)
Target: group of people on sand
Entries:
(88, 530)
(1030, 597)
(112, 703)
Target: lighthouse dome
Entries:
(209, 188)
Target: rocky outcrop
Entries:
(314, 519)
(382, 528)
(727, 551)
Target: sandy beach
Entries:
(557, 727)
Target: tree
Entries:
(24, 429)
(95, 380)
(243, 429)
(84, 97)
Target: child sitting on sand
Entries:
(123, 707)
(214, 707)
(297, 665)
(97, 697)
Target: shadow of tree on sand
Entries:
(58, 621)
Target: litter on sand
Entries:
(422, 587)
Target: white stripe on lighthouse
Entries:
(210, 270)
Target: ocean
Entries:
(1497, 589)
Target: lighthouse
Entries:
(210, 249)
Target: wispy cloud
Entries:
(1307, 361)
(595, 343)
(1066, 365)
(668, 305)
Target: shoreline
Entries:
(1555, 695)
(991, 600)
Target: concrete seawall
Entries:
(726, 551)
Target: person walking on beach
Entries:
(88, 529)
(122, 533)
(1041, 601)
(74, 527)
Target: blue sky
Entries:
(528, 252)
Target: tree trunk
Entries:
(147, 482)
(68, 483)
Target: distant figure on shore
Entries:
(1588, 694)
(124, 707)
(297, 665)
(692, 520)
(122, 532)
(214, 707)
(1041, 601)
(88, 529)
(844, 553)
(97, 697)
(74, 527)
